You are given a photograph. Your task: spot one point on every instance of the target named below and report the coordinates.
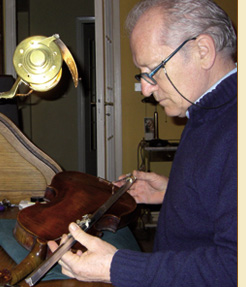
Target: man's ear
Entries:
(206, 51)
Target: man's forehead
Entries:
(147, 29)
(146, 37)
(146, 51)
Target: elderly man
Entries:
(185, 51)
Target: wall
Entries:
(133, 111)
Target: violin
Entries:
(94, 203)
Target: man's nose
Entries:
(147, 88)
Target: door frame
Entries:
(101, 141)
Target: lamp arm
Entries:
(12, 92)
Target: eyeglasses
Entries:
(148, 77)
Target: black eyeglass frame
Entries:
(148, 77)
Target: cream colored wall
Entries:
(133, 111)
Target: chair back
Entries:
(25, 170)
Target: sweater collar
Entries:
(225, 91)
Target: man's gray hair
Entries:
(188, 18)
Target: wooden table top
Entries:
(7, 263)
(9, 213)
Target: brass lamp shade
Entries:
(38, 64)
(38, 61)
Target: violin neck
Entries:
(112, 199)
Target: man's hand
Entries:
(92, 265)
(149, 187)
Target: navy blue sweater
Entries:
(196, 239)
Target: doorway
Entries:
(87, 122)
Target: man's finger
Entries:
(143, 175)
(81, 236)
(65, 267)
(52, 245)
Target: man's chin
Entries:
(172, 112)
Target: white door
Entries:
(108, 83)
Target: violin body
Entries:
(70, 196)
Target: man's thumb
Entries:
(79, 235)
